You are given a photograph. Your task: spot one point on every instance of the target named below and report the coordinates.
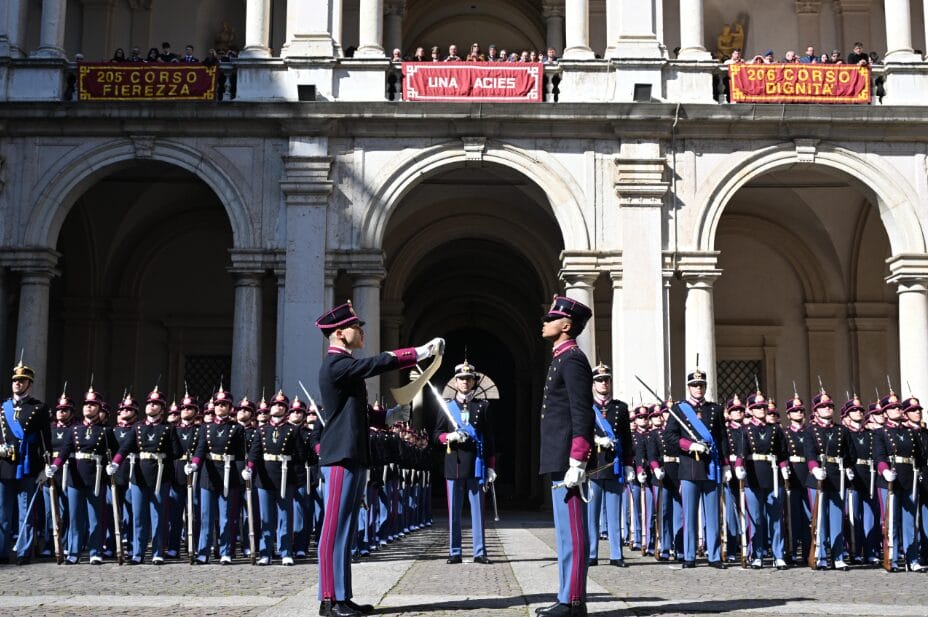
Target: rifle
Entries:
(889, 541)
(645, 526)
(673, 414)
(191, 551)
(251, 522)
(53, 498)
(816, 523)
(658, 521)
(117, 519)
(850, 523)
(744, 524)
(789, 520)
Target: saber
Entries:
(789, 519)
(495, 506)
(53, 498)
(251, 522)
(658, 519)
(312, 402)
(673, 414)
(723, 536)
(595, 471)
(117, 519)
(645, 523)
(22, 526)
(405, 394)
(850, 523)
(743, 523)
(191, 553)
(160, 473)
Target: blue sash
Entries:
(703, 431)
(23, 467)
(471, 432)
(616, 444)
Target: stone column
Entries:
(97, 40)
(636, 33)
(808, 13)
(36, 268)
(247, 273)
(12, 37)
(281, 273)
(577, 30)
(393, 25)
(641, 187)
(306, 190)
(700, 273)
(51, 34)
(553, 13)
(579, 281)
(899, 32)
(338, 19)
(370, 30)
(910, 275)
(617, 338)
(258, 28)
(692, 33)
(391, 319)
(365, 296)
(308, 33)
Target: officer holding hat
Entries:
(344, 450)
(24, 437)
(469, 459)
(566, 444)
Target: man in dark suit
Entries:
(566, 443)
(344, 448)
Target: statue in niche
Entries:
(226, 37)
(732, 38)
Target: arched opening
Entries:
(472, 254)
(802, 293)
(144, 291)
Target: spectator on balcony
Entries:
(874, 58)
(452, 54)
(550, 57)
(492, 54)
(154, 56)
(523, 57)
(119, 55)
(212, 58)
(166, 54)
(397, 55)
(811, 57)
(135, 55)
(189, 58)
(503, 55)
(436, 54)
(736, 57)
(769, 57)
(475, 51)
(835, 57)
(513, 57)
(231, 54)
(858, 56)
(78, 57)
(533, 56)
(790, 57)
(420, 55)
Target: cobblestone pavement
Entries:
(411, 578)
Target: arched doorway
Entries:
(144, 292)
(472, 254)
(802, 293)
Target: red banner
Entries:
(490, 82)
(146, 82)
(799, 83)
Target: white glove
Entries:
(602, 441)
(642, 477)
(50, 471)
(726, 474)
(576, 474)
(629, 473)
(452, 437)
(491, 475)
(741, 473)
(246, 474)
(889, 475)
(5, 450)
(659, 473)
(819, 473)
(190, 468)
(434, 347)
(698, 447)
(784, 471)
(849, 473)
(111, 469)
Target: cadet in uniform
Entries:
(798, 506)
(276, 453)
(64, 419)
(666, 471)
(469, 461)
(702, 447)
(124, 432)
(156, 446)
(186, 430)
(566, 444)
(219, 446)
(913, 414)
(863, 509)
(82, 453)
(640, 483)
(343, 447)
(613, 444)
(734, 436)
(761, 463)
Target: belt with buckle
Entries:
(671, 459)
(864, 461)
(221, 457)
(86, 456)
(762, 457)
(152, 456)
(797, 459)
(905, 460)
(277, 458)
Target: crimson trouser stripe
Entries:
(334, 480)
(570, 525)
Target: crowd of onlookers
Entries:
(166, 55)
(476, 54)
(857, 56)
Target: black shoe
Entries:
(454, 559)
(555, 610)
(718, 565)
(482, 559)
(342, 609)
(325, 608)
(578, 609)
(619, 563)
(364, 609)
(688, 564)
(23, 561)
(592, 562)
